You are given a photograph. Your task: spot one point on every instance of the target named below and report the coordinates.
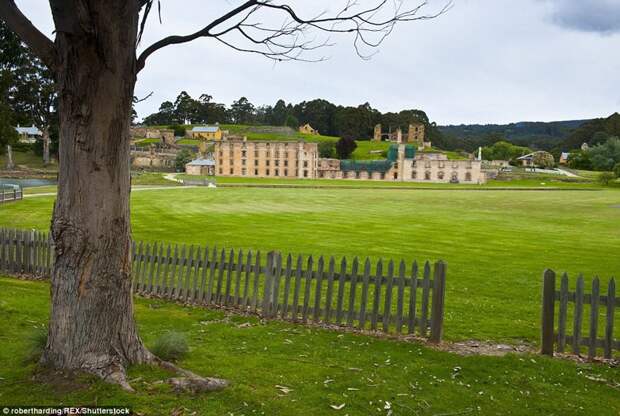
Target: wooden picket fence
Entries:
(564, 297)
(10, 193)
(386, 296)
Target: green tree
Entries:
(183, 158)
(33, 96)
(543, 159)
(605, 156)
(617, 170)
(327, 149)
(242, 111)
(345, 147)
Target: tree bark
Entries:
(92, 327)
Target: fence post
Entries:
(548, 310)
(439, 295)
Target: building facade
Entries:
(266, 159)
(210, 133)
(28, 134)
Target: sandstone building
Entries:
(270, 159)
(266, 159)
(307, 129)
(416, 135)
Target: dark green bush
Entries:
(36, 343)
(170, 346)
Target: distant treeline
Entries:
(359, 122)
(328, 118)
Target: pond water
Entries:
(27, 183)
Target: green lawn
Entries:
(496, 243)
(28, 159)
(320, 367)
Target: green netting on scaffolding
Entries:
(392, 153)
(409, 152)
(365, 165)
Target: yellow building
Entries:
(213, 133)
(266, 159)
(307, 129)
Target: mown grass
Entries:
(319, 367)
(496, 243)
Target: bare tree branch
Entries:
(370, 27)
(40, 44)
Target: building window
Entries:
(243, 172)
(244, 153)
(455, 177)
(442, 165)
(440, 175)
(468, 176)
(221, 153)
(277, 172)
(232, 171)
(414, 174)
(427, 176)
(221, 171)
(382, 175)
(267, 163)
(231, 162)
(395, 175)
(221, 162)
(277, 154)
(305, 173)
(413, 164)
(267, 172)
(256, 153)
(243, 162)
(277, 163)
(256, 172)
(427, 164)
(256, 163)
(305, 163)
(285, 172)
(286, 163)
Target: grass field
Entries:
(320, 367)
(496, 243)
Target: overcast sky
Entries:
(485, 61)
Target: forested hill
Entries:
(536, 135)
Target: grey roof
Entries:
(206, 129)
(30, 131)
(565, 155)
(202, 162)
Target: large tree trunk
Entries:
(92, 327)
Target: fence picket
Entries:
(578, 316)
(364, 298)
(563, 313)
(248, 277)
(203, 276)
(609, 326)
(209, 297)
(401, 297)
(341, 284)
(275, 294)
(387, 308)
(426, 285)
(318, 290)
(298, 275)
(309, 271)
(220, 278)
(238, 267)
(256, 281)
(330, 289)
(377, 296)
(594, 302)
(287, 286)
(352, 289)
(229, 276)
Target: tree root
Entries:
(188, 382)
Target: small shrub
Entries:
(605, 178)
(170, 346)
(36, 342)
